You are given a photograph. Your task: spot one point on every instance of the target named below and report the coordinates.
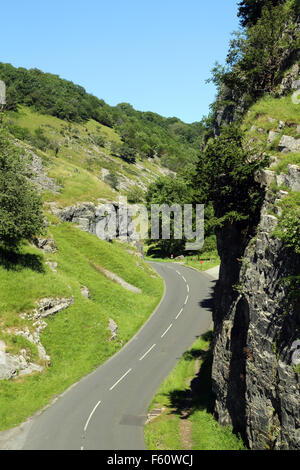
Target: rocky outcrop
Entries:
(36, 171)
(47, 245)
(108, 226)
(290, 82)
(119, 280)
(14, 366)
(256, 324)
(289, 144)
(113, 328)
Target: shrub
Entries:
(20, 205)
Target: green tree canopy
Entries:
(20, 206)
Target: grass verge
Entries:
(186, 401)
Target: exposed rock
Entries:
(256, 387)
(272, 136)
(290, 81)
(289, 144)
(47, 307)
(38, 174)
(119, 280)
(85, 292)
(52, 265)
(115, 224)
(14, 366)
(46, 244)
(113, 328)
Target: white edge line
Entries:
(90, 417)
(166, 330)
(123, 376)
(150, 349)
(179, 313)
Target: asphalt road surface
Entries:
(108, 408)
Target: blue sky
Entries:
(153, 54)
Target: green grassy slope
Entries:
(77, 338)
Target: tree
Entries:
(21, 215)
(250, 10)
(167, 190)
(225, 176)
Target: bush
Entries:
(20, 206)
(112, 180)
(135, 195)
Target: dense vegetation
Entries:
(259, 53)
(143, 134)
(20, 206)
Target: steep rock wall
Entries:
(255, 382)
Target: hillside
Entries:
(141, 135)
(70, 300)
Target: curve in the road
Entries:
(108, 408)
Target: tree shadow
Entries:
(208, 303)
(15, 261)
(199, 396)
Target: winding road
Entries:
(108, 408)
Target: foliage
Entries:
(288, 229)
(225, 176)
(135, 195)
(144, 134)
(168, 190)
(250, 10)
(261, 52)
(20, 206)
(112, 180)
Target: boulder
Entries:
(289, 144)
(113, 328)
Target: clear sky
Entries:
(153, 54)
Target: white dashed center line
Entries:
(167, 330)
(90, 417)
(123, 376)
(187, 298)
(184, 279)
(188, 288)
(147, 352)
(179, 313)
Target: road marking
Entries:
(123, 376)
(147, 352)
(179, 313)
(178, 272)
(81, 448)
(90, 417)
(188, 288)
(184, 279)
(166, 330)
(187, 298)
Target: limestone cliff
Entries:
(256, 320)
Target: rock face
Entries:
(113, 328)
(289, 144)
(14, 366)
(256, 323)
(90, 218)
